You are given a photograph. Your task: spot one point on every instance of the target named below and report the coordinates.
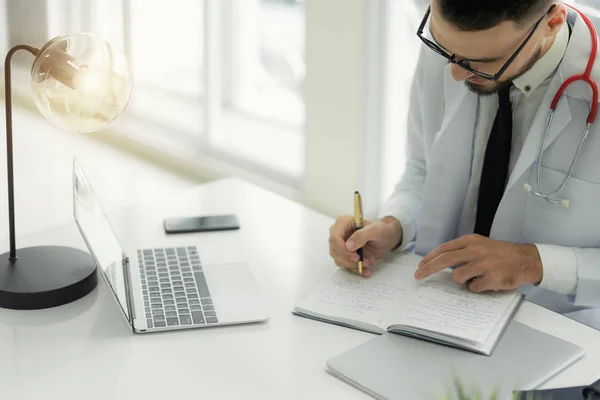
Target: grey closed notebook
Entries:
(400, 367)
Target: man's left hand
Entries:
(485, 263)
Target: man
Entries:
(480, 101)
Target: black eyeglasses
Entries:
(464, 63)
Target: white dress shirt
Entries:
(526, 96)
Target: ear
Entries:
(556, 19)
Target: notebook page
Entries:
(443, 306)
(344, 296)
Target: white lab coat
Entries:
(439, 157)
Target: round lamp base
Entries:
(45, 277)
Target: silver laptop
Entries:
(166, 288)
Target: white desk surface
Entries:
(85, 350)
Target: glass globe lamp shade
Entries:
(80, 82)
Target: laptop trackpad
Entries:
(229, 280)
(234, 294)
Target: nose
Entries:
(459, 73)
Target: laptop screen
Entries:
(99, 235)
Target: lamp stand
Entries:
(42, 276)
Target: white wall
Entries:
(338, 87)
(3, 28)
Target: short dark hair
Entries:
(476, 15)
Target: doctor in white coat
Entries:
(469, 198)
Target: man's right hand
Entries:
(377, 238)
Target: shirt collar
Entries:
(545, 66)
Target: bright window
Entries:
(220, 76)
(165, 46)
(402, 55)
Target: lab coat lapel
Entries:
(574, 63)
(531, 148)
(449, 167)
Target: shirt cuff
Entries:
(560, 268)
(409, 230)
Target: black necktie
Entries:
(495, 165)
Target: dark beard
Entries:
(501, 84)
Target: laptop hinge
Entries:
(128, 289)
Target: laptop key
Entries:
(197, 317)
(194, 301)
(210, 313)
(160, 324)
(194, 307)
(148, 315)
(185, 319)
(206, 301)
(171, 313)
(169, 302)
(211, 320)
(172, 321)
(149, 322)
(208, 308)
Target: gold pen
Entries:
(358, 224)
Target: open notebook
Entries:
(436, 309)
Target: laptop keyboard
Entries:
(174, 288)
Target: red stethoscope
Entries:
(586, 77)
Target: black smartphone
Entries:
(206, 223)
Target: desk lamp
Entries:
(79, 83)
